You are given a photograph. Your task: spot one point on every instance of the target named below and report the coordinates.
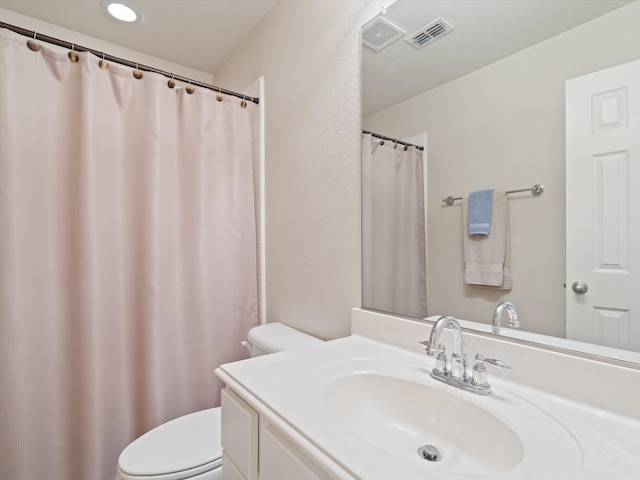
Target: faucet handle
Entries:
(441, 360)
(491, 361)
(479, 375)
(427, 348)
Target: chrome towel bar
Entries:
(537, 189)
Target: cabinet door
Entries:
(229, 469)
(239, 437)
(281, 460)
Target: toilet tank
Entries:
(277, 337)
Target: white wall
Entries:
(503, 127)
(309, 54)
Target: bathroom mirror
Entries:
(488, 90)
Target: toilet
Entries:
(188, 447)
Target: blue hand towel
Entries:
(480, 212)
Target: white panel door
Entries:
(603, 207)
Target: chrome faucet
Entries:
(497, 315)
(456, 375)
(458, 358)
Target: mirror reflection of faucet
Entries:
(455, 373)
(497, 315)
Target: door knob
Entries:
(580, 287)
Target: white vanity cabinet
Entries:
(254, 449)
(239, 438)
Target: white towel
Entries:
(486, 259)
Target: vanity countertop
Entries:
(581, 441)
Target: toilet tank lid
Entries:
(188, 442)
(278, 337)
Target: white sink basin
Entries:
(398, 416)
(390, 409)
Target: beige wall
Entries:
(503, 127)
(308, 52)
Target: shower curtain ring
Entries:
(33, 45)
(171, 83)
(219, 97)
(103, 64)
(73, 55)
(190, 89)
(137, 73)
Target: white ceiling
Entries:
(200, 34)
(484, 31)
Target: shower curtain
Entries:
(127, 257)
(393, 228)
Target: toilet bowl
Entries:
(188, 447)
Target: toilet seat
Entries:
(180, 449)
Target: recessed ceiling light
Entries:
(122, 10)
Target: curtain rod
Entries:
(78, 48)
(377, 135)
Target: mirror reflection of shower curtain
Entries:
(393, 229)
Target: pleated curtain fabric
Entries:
(393, 229)
(127, 257)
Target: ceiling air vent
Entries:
(379, 33)
(430, 33)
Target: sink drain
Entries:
(429, 452)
